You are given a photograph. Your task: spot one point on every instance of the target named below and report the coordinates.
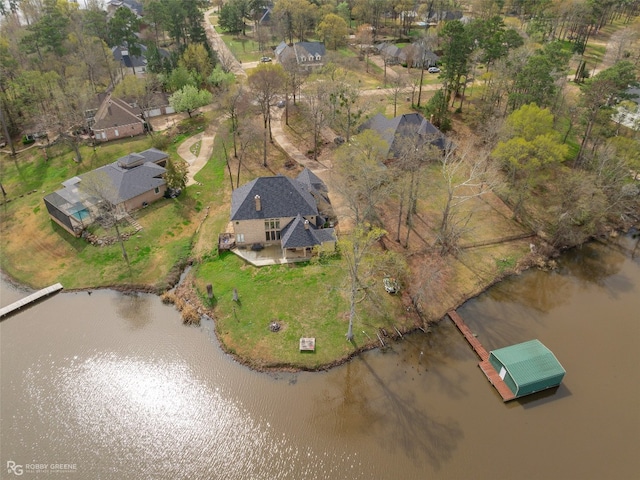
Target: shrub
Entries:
(190, 315)
(160, 141)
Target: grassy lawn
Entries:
(55, 255)
(195, 148)
(306, 299)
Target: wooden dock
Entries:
(34, 297)
(486, 367)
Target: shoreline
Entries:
(186, 293)
(184, 290)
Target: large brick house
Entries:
(115, 118)
(281, 211)
(127, 184)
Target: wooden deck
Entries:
(495, 380)
(468, 334)
(486, 367)
(29, 299)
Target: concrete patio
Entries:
(272, 255)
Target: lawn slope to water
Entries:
(305, 299)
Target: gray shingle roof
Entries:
(280, 197)
(121, 54)
(116, 113)
(300, 50)
(313, 48)
(395, 129)
(634, 94)
(295, 235)
(419, 54)
(134, 159)
(120, 184)
(311, 180)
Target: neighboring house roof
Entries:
(628, 112)
(446, 15)
(135, 159)
(531, 366)
(304, 53)
(115, 112)
(121, 54)
(135, 7)
(278, 197)
(634, 94)
(419, 54)
(395, 130)
(301, 233)
(117, 184)
(388, 49)
(280, 48)
(126, 183)
(266, 16)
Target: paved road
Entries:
(207, 137)
(219, 46)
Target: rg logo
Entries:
(13, 467)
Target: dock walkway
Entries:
(486, 367)
(4, 311)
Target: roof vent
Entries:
(258, 203)
(306, 224)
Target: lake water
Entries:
(112, 386)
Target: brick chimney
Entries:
(258, 203)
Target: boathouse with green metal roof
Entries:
(527, 367)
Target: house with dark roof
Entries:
(395, 131)
(115, 118)
(308, 55)
(627, 112)
(417, 55)
(135, 7)
(137, 63)
(281, 211)
(389, 52)
(129, 183)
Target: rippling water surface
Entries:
(116, 386)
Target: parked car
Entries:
(281, 104)
(390, 285)
(265, 59)
(433, 70)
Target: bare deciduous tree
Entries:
(467, 175)
(103, 195)
(398, 84)
(416, 153)
(236, 105)
(317, 102)
(267, 81)
(361, 177)
(356, 251)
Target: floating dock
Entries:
(486, 367)
(34, 297)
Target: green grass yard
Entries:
(306, 299)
